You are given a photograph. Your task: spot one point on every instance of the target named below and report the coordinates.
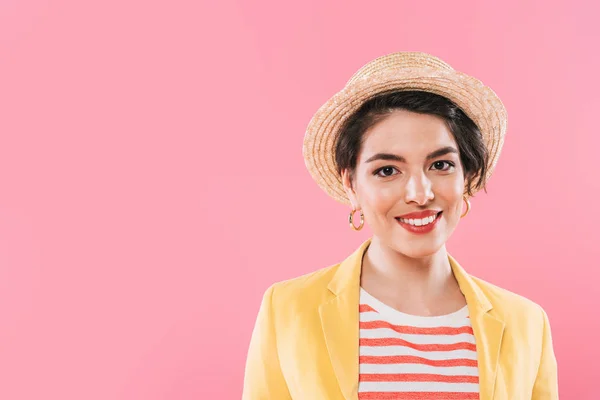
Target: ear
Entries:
(349, 188)
(467, 176)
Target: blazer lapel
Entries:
(340, 328)
(339, 318)
(488, 330)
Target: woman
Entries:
(406, 143)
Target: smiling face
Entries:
(408, 162)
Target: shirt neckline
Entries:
(391, 312)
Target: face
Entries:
(408, 163)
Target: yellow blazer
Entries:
(305, 341)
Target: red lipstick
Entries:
(419, 215)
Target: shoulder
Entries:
(512, 307)
(303, 292)
(306, 288)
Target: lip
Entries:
(420, 229)
(419, 214)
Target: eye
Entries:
(441, 165)
(387, 171)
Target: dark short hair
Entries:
(473, 152)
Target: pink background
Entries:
(152, 182)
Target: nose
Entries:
(418, 189)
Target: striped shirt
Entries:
(409, 357)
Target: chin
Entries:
(418, 248)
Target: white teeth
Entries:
(419, 222)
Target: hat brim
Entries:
(478, 101)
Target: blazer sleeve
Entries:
(546, 382)
(263, 378)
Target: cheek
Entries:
(450, 196)
(450, 188)
(377, 200)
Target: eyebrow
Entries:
(394, 157)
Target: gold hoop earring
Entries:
(351, 218)
(468, 207)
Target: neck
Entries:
(418, 278)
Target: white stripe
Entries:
(407, 351)
(417, 387)
(425, 323)
(380, 333)
(416, 369)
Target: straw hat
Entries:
(395, 72)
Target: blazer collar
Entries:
(340, 321)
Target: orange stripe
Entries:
(455, 362)
(416, 331)
(418, 378)
(418, 396)
(421, 347)
(365, 308)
